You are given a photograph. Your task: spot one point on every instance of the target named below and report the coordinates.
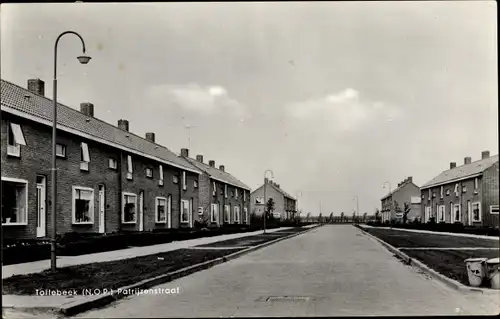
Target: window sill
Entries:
(84, 166)
(83, 223)
(134, 222)
(13, 154)
(184, 222)
(15, 224)
(160, 183)
(161, 222)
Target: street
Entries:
(330, 271)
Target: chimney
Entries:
(123, 124)
(266, 180)
(211, 163)
(184, 152)
(150, 136)
(36, 86)
(278, 185)
(467, 160)
(410, 179)
(87, 109)
(221, 168)
(199, 158)
(453, 165)
(485, 154)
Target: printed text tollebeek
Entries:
(104, 291)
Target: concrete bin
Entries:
(493, 267)
(476, 270)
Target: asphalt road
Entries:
(330, 271)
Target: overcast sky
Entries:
(335, 98)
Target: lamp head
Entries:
(84, 59)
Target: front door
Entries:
(41, 225)
(141, 211)
(102, 214)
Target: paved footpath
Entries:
(334, 270)
(65, 261)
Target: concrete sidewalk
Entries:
(436, 232)
(65, 261)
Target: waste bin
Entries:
(493, 267)
(476, 270)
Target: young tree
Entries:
(377, 215)
(406, 210)
(269, 207)
(320, 218)
(365, 215)
(397, 209)
(308, 217)
(330, 219)
(341, 217)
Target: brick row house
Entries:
(285, 205)
(223, 199)
(108, 178)
(407, 194)
(466, 194)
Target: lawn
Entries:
(110, 275)
(450, 262)
(247, 241)
(401, 238)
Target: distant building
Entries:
(285, 205)
(465, 194)
(393, 204)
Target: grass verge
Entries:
(450, 263)
(401, 238)
(109, 275)
(247, 241)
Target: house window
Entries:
(200, 211)
(169, 211)
(184, 182)
(447, 192)
(149, 172)
(130, 167)
(85, 158)
(441, 210)
(14, 201)
(456, 189)
(60, 150)
(225, 191)
(83, 205)
(227, 211)
(214, 190)
(236, 214)
(195, 184)
(213, 213)
(15, 139)
(476, 212)
(476, 185)
(160, 181)
(441, 191)
(464, 189)
(494, 209)
(259, 200)
(129, 208)
(236, 193)
(175, 179)
(245, 214)
(456, 212)
(184, 211)
(161, 210)
(244, 196)
(112, 163)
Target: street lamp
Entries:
(84, 59)
(265, 203)
(357, 205)
(390, 202)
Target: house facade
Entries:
(285, 206)
(466, 194)
(407, 194)
(108, 179)
(223, 198)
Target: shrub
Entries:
(19, 253)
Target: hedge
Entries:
(75, 244)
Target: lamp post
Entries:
(357, 206)
(390, 202)
(265, 202)
(84, 59)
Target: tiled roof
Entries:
(461, 172)
(218, 174)
(40, 107)
(278, 190)
(397, 189)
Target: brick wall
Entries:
(190, 194)
(490, 195)
(205, 195)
